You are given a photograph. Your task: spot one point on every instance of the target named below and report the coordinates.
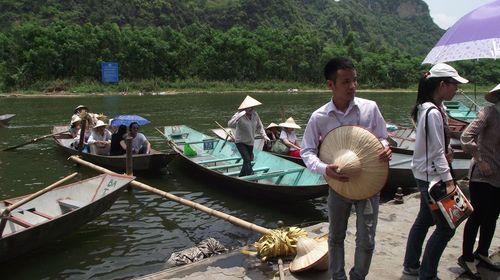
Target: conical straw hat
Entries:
(290, 123)
(355, 151)
(249, 102)
(494, 95)
(311, 254)
(271, 125)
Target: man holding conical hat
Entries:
(344, 109)
(289, 137)
(247, 122)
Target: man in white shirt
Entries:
(345, 109)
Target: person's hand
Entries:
(449, 156)
(331, 171)
(450, 186)
(485, 168)
(385, 154)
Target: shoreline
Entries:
(175, 92)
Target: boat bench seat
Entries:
(218, 160)
(225, 166)
(19, 221)
(260, 169)
(196, 142)
(70, 204)
(278, 173)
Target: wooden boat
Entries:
(57, 212)
(258, 142)
(5, 119)
(274, 178)
(458, 110)
(400, 174)
(142, 162)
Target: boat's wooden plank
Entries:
(270, 174)
(218, 160)
(19, 221)
(197, 142)
(225, 166)
(260, 169)
(46, 216)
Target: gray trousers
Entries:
(339, 210)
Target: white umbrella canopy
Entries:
(474, 36)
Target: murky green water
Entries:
(138, 234)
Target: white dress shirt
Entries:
(362, 112)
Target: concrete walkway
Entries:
(395, 222)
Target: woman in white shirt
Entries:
(431, 161)
(289, 138)
(100, 139)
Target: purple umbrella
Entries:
(475, 35)
(128, 119)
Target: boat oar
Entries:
(228, 134)
(6, 211)
(169, 142)
(34, 140)
(273, 243)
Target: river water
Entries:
(140, 231)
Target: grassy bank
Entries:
(158, 86)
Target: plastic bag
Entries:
(188, 151)
(279, 147)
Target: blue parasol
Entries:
(128, 119)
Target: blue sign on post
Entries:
(109, 72)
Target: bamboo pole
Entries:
(227, 132)
(33, 140)
(232, 219)
(129, 160)
(169, 142)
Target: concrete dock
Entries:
(395, 221)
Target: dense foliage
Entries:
(248, 41)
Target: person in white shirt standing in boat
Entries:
(289, 137)
(345, 109)
(100, 139)
(247, 122)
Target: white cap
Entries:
(443, 70)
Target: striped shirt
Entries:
(482, 139)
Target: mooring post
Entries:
(129, 168)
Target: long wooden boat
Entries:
(141, 162)
(258, 142)
(57, 212)
(458, 110)
(5, 119)
(274, 178)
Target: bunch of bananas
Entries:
(280, 242)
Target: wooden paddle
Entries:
(228, 134)
(5, 213)
(169, 142)
(232, 219)
(34, 140)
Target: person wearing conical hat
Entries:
(289, 137)
(247, 123)
(344, 108)
(273, 133)
(482, 139)
(74, 126)
(82, 109)
(100, 139)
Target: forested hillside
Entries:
(213, 40)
